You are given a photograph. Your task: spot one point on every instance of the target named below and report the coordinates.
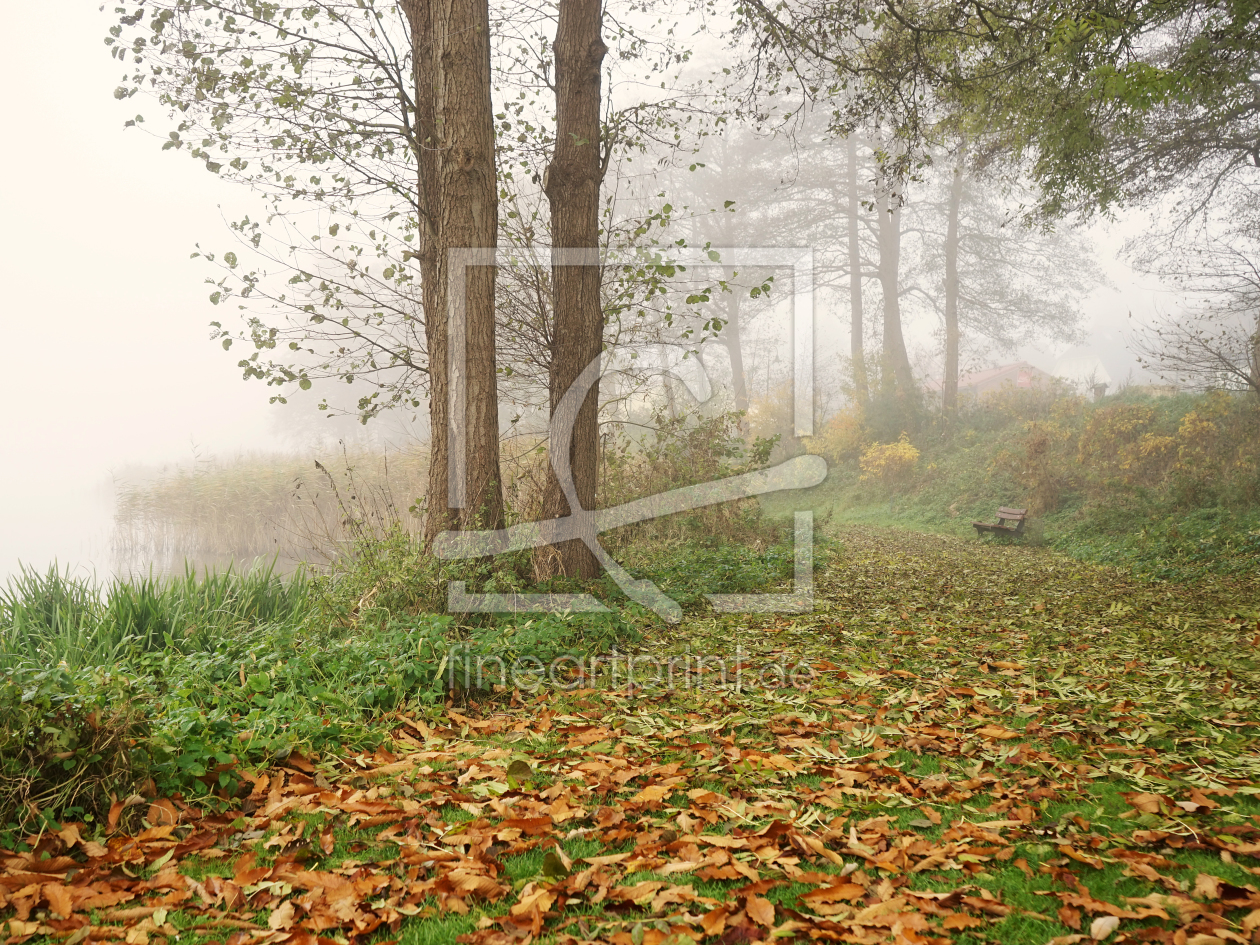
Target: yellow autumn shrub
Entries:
(1118, 443)
(890, 464)
(843, 437)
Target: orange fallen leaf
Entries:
(1146, 803)
(59, 899)
(654, 792)
(848, 891)
(539, 900)
(162, 812)
(283, 917)
(714, 922)
(760, 910)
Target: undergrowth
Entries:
(183, 684)
(1166, 487)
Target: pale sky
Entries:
(105, 317)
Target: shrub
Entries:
(1168, 485)
(997, 408)
(687, 571)
(683, 451)
(890, 464)
(523, 649)
(771, 418)
(52, 618)
(68, 740)
(844, 437)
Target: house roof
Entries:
(1020, 374)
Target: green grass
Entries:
(1120, 685)
(53, 618)
(185, 680)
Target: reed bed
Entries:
(301, 509)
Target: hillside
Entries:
(1167, 486)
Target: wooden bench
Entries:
(1010, 522)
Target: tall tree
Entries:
(857, 341)
(949, 390)
(733, 340)
(991, 281)
(896, 374)
(458, 200)
(1107, 104)
(382, 122)
(572, 184)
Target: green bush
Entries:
(390, 578)
(52, 618)
(187, 681)
(688, 570)
(68, 740)
(548, 637)
(679, 452)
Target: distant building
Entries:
(1021, 375)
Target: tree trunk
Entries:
(897, 374)
(458, 200)
(857, 349)
(731, 337)
(431, 255)
(949, 387)
(572, 184)
(1255, 360)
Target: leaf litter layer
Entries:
(989, 744)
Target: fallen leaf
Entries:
(1070, 916)
(997, 732)
(162, 812)
(1143, 801)
(847, 891)
(760, 910)
(714, 922)
(59, 899)
(282, 917)
(655, 792)
(1103, 926)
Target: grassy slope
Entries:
(957, 482)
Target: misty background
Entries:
(109, 371)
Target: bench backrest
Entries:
(1011, 515)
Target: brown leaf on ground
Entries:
(760, 910)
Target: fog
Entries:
(107, 362)
(108, 365)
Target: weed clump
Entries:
(70, 741)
